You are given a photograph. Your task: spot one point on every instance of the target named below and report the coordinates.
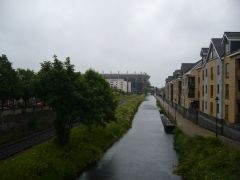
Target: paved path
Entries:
(191, 129)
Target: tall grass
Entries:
(206, 158)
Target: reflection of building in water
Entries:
(137, 81)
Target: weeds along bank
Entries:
(50, 161)
(206, 158)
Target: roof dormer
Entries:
(231, 42)
(203, 53)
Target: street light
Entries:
(216, 99)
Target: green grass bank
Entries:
(206, 158)
(203, 158)
(49, 161)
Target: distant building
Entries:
(138, 81)
(120, 84)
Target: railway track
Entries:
(10, 148)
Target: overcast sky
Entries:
(152, 36)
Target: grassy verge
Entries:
(206, 158)
(49, 161)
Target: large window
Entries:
(206, 89)
(202, 90)
(226, 91)
(211, 73)
(211, 91)
(217, 108)
(218, 89)
(206, 73)
(218, 70)
(202, 105)
(227, 70)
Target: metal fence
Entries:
(208, 122)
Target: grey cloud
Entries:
(153, 36)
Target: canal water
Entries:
(146, 152)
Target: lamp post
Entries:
(216, 99)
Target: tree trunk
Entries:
(61, 128)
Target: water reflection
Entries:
(144, 153)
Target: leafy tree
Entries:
(26, 79)
(8, 80)
(99, 103)
(61, 87)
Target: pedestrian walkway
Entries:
(191, 129)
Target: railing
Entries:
(209, 122)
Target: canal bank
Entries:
(51, 161)
(145, 152)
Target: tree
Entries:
(25, 83)
(8, 80)
(99, 103)
(61, 87)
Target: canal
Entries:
(146, 152)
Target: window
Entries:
(226, 112)
(218, 70)
(198, 80)
(211, 73)
(203, 74)
(227, 48)
(226, 91)
(227, 70)
(202, 105)
(206, 89)
(206, 73)
(211, 91)
(217, 108)
(218, 88)
(211, 108)
(205, 105)
(202, 90)
(211, 54)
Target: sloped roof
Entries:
(217, 43)
(177, 72)
(185, 67)
(232, 35)
(198, 64)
